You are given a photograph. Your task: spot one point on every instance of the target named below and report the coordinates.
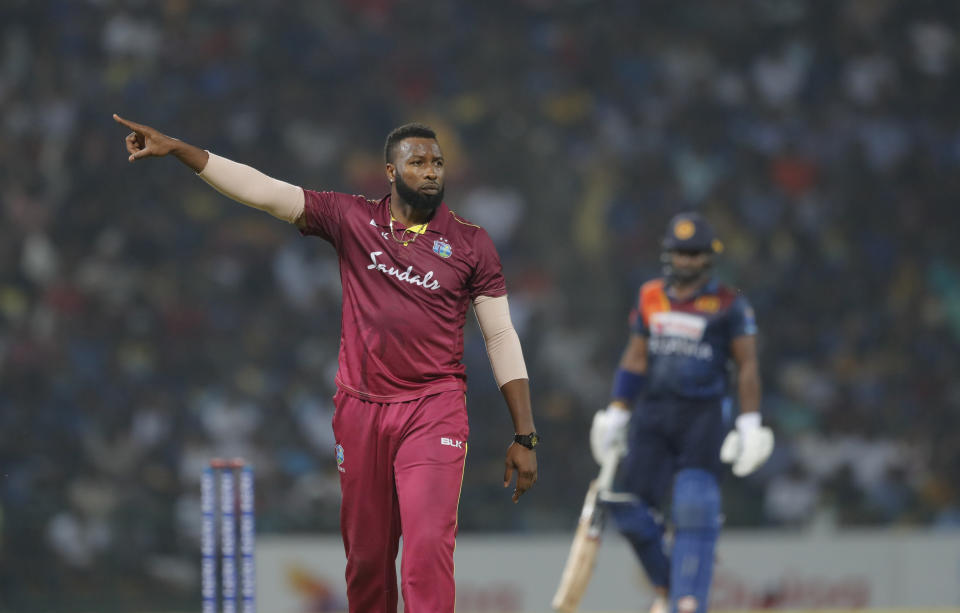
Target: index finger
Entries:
(524, 482)
(518, 492)
(136, 127)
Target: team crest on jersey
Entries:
(442, 248)
(340, 458)
(707, 304)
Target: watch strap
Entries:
(530, 441)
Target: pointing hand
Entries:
(144, 141)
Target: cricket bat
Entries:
(586, 541)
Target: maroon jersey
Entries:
(404, 307)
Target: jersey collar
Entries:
(710, 287)
(439, 224)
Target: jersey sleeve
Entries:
(742, 320)
(487, 279)
(323, 215)
(651, 298)
(638, 324)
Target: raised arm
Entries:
(144, 142)
(236, 181)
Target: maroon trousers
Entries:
(401, 468)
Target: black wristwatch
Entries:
(530, 441)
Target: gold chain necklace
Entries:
(403, 236)
(402, 240)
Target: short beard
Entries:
(419, 200)
(683, 277)
(687, 277)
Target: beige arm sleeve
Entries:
(503, 344)
(253, 188)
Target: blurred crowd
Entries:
(147, 324)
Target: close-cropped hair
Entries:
(407, 130)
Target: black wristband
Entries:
(530, 441)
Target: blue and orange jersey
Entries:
(688, 348)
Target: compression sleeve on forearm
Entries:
(253, 188)
(503, 344)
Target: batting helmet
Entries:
(691, 232)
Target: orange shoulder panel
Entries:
(653, 299)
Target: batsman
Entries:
(668, 409)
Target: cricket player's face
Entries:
(418, 172)
(688, 266)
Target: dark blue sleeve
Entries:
(742, 320)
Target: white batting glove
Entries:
(747, 446)
(608, 431)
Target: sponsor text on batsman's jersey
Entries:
(688, 348)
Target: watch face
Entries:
(527, 440)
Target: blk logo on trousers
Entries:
(451, 442)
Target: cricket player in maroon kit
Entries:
(410, 268)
